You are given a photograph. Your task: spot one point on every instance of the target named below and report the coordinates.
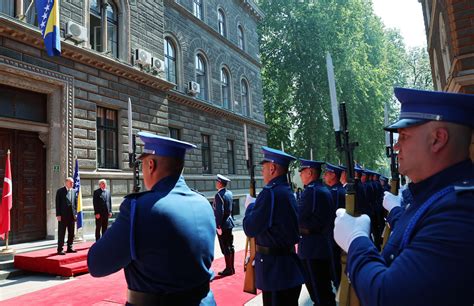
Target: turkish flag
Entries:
(7, 198)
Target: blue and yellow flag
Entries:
(77, 188)
(48, 22)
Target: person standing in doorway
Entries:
(102, 208)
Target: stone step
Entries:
(10, 272)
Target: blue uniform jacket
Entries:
(436, 266)
(275, 226)
(171, 247)
(223, 209)
(338, 194)
(316, 214)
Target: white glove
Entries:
(348, 228)
(390, 201)
(219, 231)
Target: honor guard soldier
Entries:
(163, 238)
(222, 206)
(316, 213)
(332, 177)
(428, 257)
(272, 220)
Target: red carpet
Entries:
(47, 261)
(86, 290)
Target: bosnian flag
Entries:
(77, 188)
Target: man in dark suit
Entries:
(102, 208)
(66, 205)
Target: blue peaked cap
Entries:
(163, 146)
(421, 106)
(358, 168)
(306, 163)
(276, 156)
(334, 168)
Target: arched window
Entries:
(197, 8)
(201, 76)
(170, 61)
(244, 97)
(221, 22)
(225, 89)
(240, 37)
(104, 32)
(7, 7)
(436, 72)
(444, 47)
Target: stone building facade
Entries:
(450, 35)
(57, 109)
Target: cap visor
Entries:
(404, 123)
(142, 156)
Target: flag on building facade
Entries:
(7, 199)
(77, 189)
(48, 21)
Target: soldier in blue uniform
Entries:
(332, 177)
(163, 238)
(316, 213)
(272, 220)
(222, 206)
(428, 257)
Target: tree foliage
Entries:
(369, 61)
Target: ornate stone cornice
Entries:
(32, 72)
(213, 109)
(27, 34)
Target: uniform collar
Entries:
(166, 183)
(423, 190)
(316, 182)
(278, 180)
(223, 188)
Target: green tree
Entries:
(369, 61)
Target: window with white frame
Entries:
(244, 96)
(197, 8)
(240, 37)
(170, 61)
(221, 22)
(104, 30)
(225, 89)
(201, 76)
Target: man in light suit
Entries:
(102, 208)
(66, 205)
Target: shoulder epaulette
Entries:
(464, 186)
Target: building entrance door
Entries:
(28, 214)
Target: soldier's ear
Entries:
(439, 139)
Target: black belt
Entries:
(275, 251)
(142, 298)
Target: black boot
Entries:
(225, 271)
(231, 263)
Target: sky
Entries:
(405, 15)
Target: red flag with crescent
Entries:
(6, 204)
